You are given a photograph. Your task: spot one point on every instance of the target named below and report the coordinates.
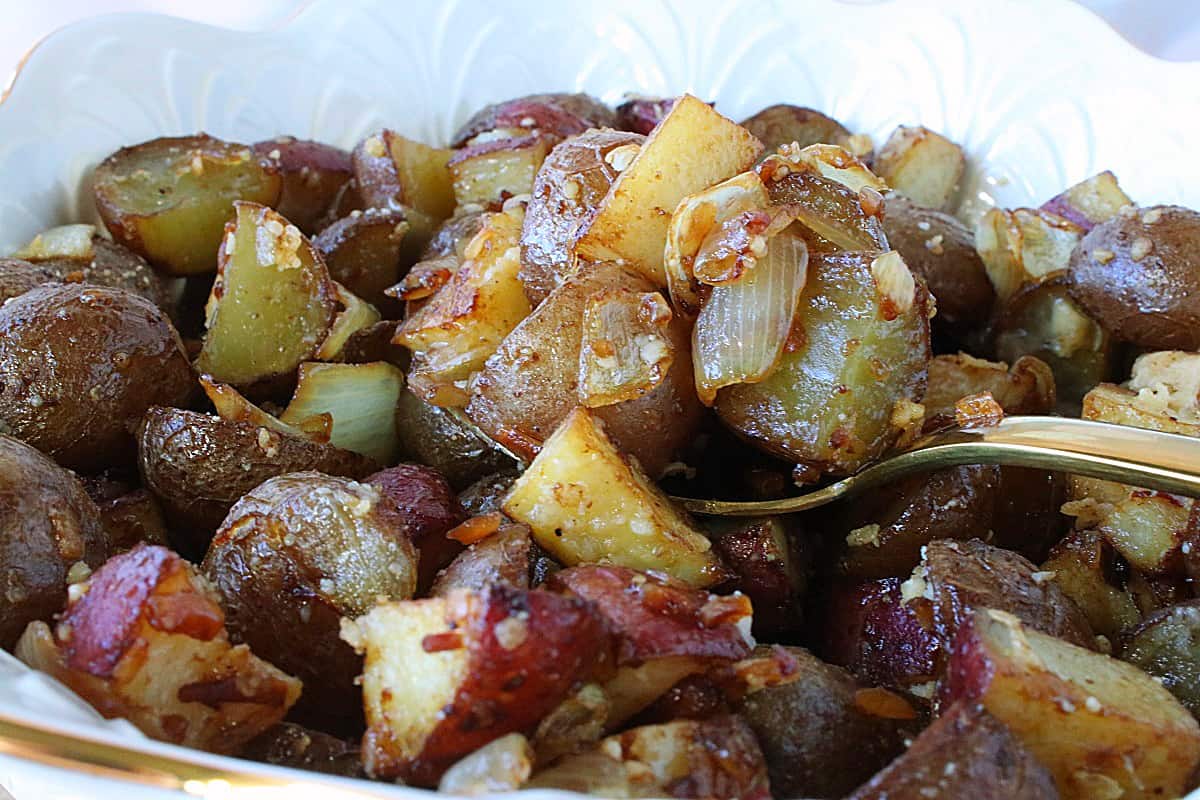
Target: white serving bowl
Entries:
(1041, 93)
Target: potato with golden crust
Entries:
(168, 199)
(1027, 387)
(446, 675)
(198, 465)
(1101, 726)
(144, 638)
(77, 402)
(1138, 275)
(555, 114)
(531, 383)
(922, 165)
(822, 733)
(48, 525)
(966, 752)
(940, 249)
(313, 174)
(1089, 571)
(572, 181)
(293, 557)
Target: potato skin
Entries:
(313, 176)
(819, 741)
(196, 464)
(292, 745)
(427, 508)
(555, 114)
(520, 399)
(17, 277)
(1138, 275)
(81, 365)
(116, 267)
(950, 265)
(572, 181)
(47, 524)
(292, 558)
(783, 124)
(505, 557)
(433, 436)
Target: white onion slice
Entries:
(743, 328)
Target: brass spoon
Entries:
(1167, 462)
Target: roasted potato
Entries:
(862, 334)
(1089, 202)
(956, 578)
(966, 752)
(487, 494)
(1027, 387)
(313, 176)
(17, 277)
(453, 235)
(132, 517)
(292, 558)
(81, 364)
(640, 114)
(772, 562)
(569, 186)
(921, 165)
(531, 383)
(76, 253)
(144, 639)
(499, 766)
(1138, 275)
(394, 172)
(445, 676)
(428, 509)
(198, 465)
(784, 124)
(1096, 578)
(363, 252)
(822, 733)
(867, 628)
(1099, 725)
(169, 199)
(1167, 646)
(940, 249)
(440, 438)
(488, 173)
(586, 503)
(292, 745)
(1023, 246)
(505, 557)
(555, 115)
(50, 532)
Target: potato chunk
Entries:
(446, 676)
(1098, 724)
(693, 148)
(922, 165)
(169, 199)
(489, 173)
(1027, 387)
(144, 638)
(272, 303)
(587, 503)
(1023, 246)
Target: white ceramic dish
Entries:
(1041, 93)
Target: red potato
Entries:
(965, 753)
(506, 557)
(145, 639)
(1102, 727)
(641, 114)
(560, 115)
(488, 173)
(291, 745)
(772, 562)
(428, 509)
(1089, 202)
(363, 252)
(313, 176)
(447, 675)
(1096, 578)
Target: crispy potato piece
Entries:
(198, 465)
(966, 752)
(428, 510)
(1167, 646)
(574, 725)
(1098, 724)
(693, 148)
(956, 578)
(1090, 202)
(786, 124)
(292, 745)
(169, 199)
(1023, 246)
(454, 333)
(640, 114)
(447, 675)
(144, 639)
(443, 440)
(862, 335)
(922, 165)
(626, 347)
(870, 630)
(505, 557)
(556, 115)
(500, 766)
(393, 171)
(571, 183)
(531, 383)
(272, 303)
(335, 548)
(772, 562)
(313, 176)
(49, 531)
(823, 734)
(81, 363)
(940, 249)
(1025, 388)
(1042, 320)
(363, 252)
(490, 172)
(1095, 577)
(586, 502)
(359, 398)
(716, 758)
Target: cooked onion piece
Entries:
(231, 406)
(626, 350)
(359, 398)
(356, 314)
(831, 162)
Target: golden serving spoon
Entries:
(1167, 462)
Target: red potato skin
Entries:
(872, 633)
(313, 176)
(774, 581)
(508, 688)
(505, 557)
(657, 616)
(559, 115)
(642, 114)
(428, 508)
